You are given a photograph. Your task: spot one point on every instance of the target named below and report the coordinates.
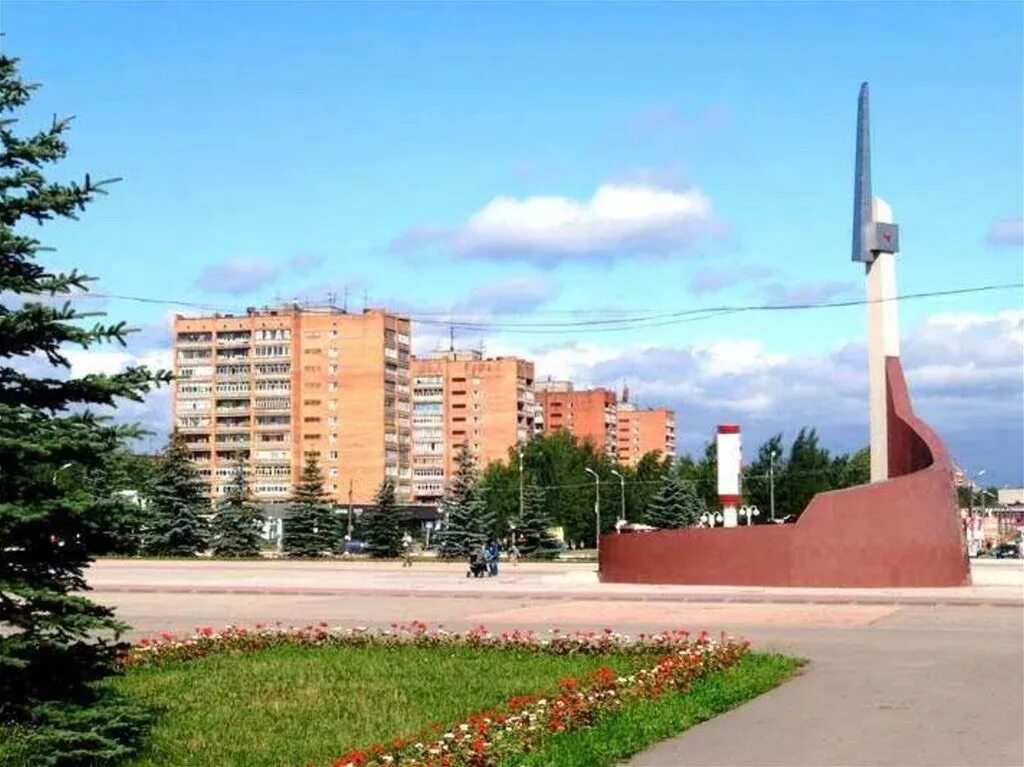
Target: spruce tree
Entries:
(532, 536)
(464, 510)
(309, 529)
(235, 529)
(383, 534)
(178, 504)
(55, 644)
(675, 505)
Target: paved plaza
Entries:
(896, 676)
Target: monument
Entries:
(901, 529)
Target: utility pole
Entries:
(771, 484)
(349, 509)
(622, 509)
(520, 448)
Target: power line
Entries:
(598, 325)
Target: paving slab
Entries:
(895, 677)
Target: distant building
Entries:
(276, 385)
(641, 431)
(461, 397)
(1011, 496)
(588, 414)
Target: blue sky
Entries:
(279, 150)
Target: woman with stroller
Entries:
(477, 562)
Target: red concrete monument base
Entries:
(905, 531)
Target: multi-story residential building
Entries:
(643, 431)
(275, 385)
(461, 397)
(589, 414)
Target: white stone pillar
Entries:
(883, 341)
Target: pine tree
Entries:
(383, 534)
(55, 644)
(178, 503)
(235, 530)
(676, 504)
(532, 536)
(464, 510)
(309, 529)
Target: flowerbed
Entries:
(488, 737)
(166, 647)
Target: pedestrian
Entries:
(407, 550)
(513, 555)
(491, 553)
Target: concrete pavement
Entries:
(896, 677)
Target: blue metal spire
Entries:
(862, 182)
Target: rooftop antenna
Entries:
(332, 298)
(451, 338)
(344, 305)
(366, 299)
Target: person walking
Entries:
(407, 550)
(513, 555)
(492, 552)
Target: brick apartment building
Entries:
(588, 414)
(276, 384)
(459, 396)
(641, 431)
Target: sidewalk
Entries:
(997, 583)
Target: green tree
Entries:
(643, 482)
(703, 474)
(759, 474)
(851, 470)
(383, 532)
(532, 531)
(309, 529)
(237, 523)
(178, 503)
(499, 487)
(124, 479)
(465, 522)
(807, 473)
(676, 505)
(55, 644)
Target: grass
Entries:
(642, 724)
(299, 705)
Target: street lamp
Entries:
(597, 512)
(622, 511)
(749, 512)
(771, 485)
(519, 448)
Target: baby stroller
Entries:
(477, 564)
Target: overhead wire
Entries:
(632, 321)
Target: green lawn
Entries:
(644, 723)
(295, 705)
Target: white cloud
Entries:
(618, 220)
(1006, 232)
(965, 372)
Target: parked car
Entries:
(1006, 551)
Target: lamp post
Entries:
(771, 485)
(597, 512)
(622, 509)
(520, 450)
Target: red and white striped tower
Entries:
(729, 459)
